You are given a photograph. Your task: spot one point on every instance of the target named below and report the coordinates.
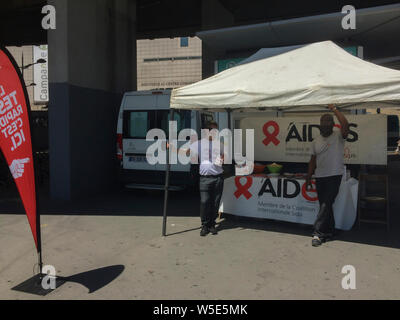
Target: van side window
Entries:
(138, 123)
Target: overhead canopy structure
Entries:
(375, 30)
(303, 79)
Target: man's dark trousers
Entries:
(327, 190)
(211, 188)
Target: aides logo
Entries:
(288, 189)
(284, 188)
(243, 189)
(271, 135)
(306, 132)
(310, 195)
(301, 132)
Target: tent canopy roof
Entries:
(306, 78)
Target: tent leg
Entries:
(232, 166)
(229, 111)
(168, 169)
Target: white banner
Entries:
(284, 199)
(40, 75)
(288, 139)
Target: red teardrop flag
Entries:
(15, 136)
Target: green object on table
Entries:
(275, 168)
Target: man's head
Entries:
(326, 125)
(211, 125)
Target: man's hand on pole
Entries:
(344, 124)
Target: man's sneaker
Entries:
(204, 231)
(316, 241)
(213, 230)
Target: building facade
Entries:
(23, 56)
(168, 63)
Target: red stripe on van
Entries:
(119, 147)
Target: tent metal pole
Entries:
(232, 167)
(166, 188)
(229, 118)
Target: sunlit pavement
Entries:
(248, 259)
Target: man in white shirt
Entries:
(327, 163)
(211, 178)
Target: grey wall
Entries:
(92, 62)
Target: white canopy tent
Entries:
(306, 78)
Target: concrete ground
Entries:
(110, 247)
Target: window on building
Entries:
(184, 42)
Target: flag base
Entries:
(34, 285)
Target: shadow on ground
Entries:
(118, 202)
(96, 279)
(93, 280)
(370, 234)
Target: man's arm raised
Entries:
(344, 124)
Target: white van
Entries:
(140, 112)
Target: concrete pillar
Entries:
(213, 16)
(92, 61)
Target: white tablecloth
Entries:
(286, 199)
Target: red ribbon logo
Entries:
(271, 137)
(305, 194)
(243, 189)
